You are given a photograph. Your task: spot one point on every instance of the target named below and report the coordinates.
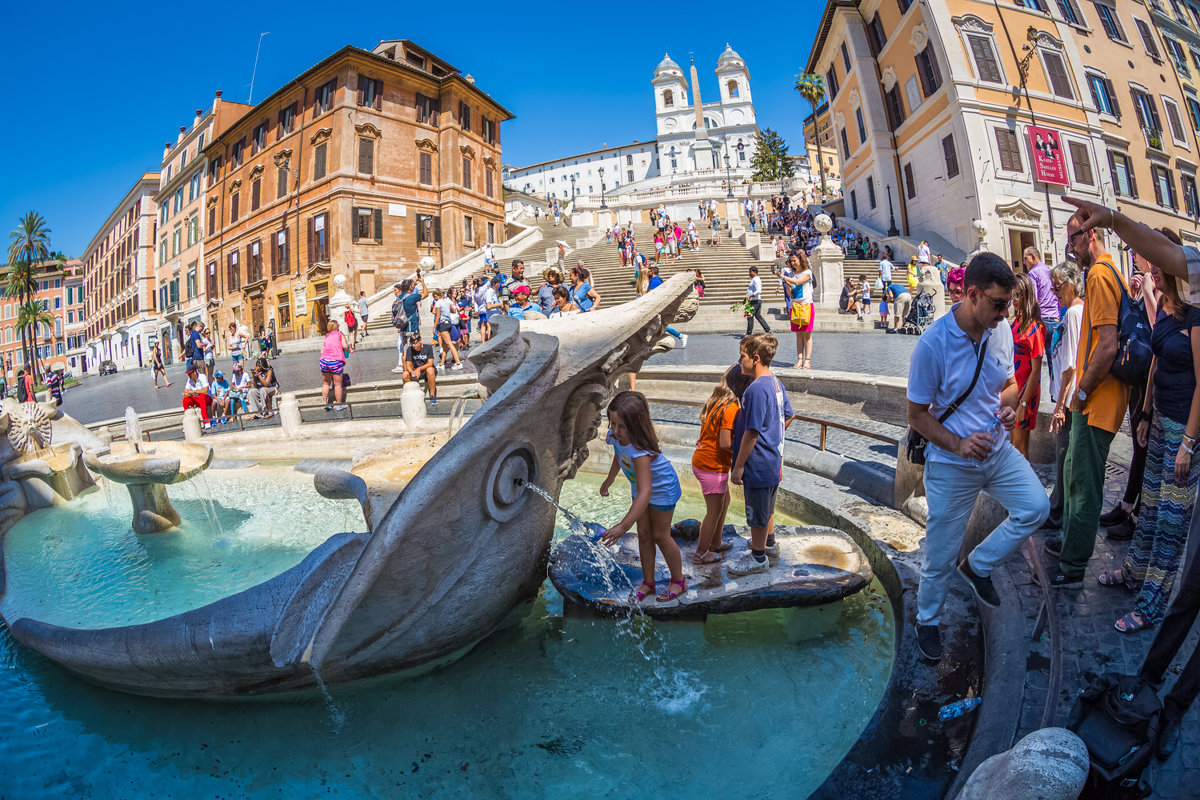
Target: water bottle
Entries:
(594, 530)
(957, 709)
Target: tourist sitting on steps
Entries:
(219, 392)
(418, 365)
(239, 386)
(266, 387)
(195, 392)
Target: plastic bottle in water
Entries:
(595, 531)
(957, 709)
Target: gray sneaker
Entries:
(748, 565)
(772, 551)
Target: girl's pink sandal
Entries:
(668, 595)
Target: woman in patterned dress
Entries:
(1029, 346)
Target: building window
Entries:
(831, 81)
(425, 162)
(178, 201)
(319, 161)
(1103, 94)
(489, 180)
(1082, 163)
(176, 240)
(429, 230)
(845, 145)
(283, 310)
(464, 116)
(904, 5)
(1069, 11)
(1121, 169)
(370, 92)
(238, 153)
(895, 108)
(927, 69)
(629, 175)
(854, 204)
(1193, 107)
(987, 67)
(234, 278)
(281, 176)
(491, 233)
(1164, 186)
(1177, 56)
(164, 213)
(950, 155)
(845, 57)
(1190, 201)
(466, 172)
(318, 238)
(279, 253)
(323, 97)
(366, 156)
(194, 186)
(287, 121)
(1147, 38)
(871, 192)
(732, 86)
(255, 194)
(668, 98)
(1175, 121)
(214, 170)
(193, 229)
(260, 138)
(1056, 73)
(1009, 149)
(1147, 114)
(212, 219)
(1110, 23)
(468, 226)
(366, 224)
(488, 129)
(910, 183)
(875, 35)
(427, 110)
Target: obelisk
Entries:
(702, 147)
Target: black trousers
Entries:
(1175, 628)
(756, 311)
(1058, 496)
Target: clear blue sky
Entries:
(95, 92)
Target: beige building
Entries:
(180, 286)
(118, 280)
(361, 165)
(818, 128)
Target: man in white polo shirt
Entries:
(754, 301)
(968, 450)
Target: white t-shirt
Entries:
(240, 381)
(941, 368)
(923, 254)
(446, 311)
(200, 384)
(754, 290)
(1062, 356)
(805, 297)
(885, 269)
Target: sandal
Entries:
(723, 547)
(1112, 577)
(707, 557)
(1131, 623)
(638, 595)
(668, 595)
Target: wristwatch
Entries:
(1082, 395)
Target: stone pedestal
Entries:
(191, 425)
(826, 260)
(152, 509)
(289, 415)
(338, 303)
(1051, 763)
(412, 405)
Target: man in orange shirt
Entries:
(1096, 409)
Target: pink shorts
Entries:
(711, 482)
(812, 319)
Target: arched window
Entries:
(668, 97)
(733, 88)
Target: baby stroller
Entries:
(920, 315)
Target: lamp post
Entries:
(603, 205)
(728, 178)
(429, 235)
(572, 188)
(892, 230)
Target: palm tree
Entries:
(30, 316)
(28, 246)
(811, 87)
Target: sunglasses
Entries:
(999, 305)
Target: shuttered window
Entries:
(927, 69)
(323, 97)
(1110, 22)
(489, 180)
(279, 252)
(1056, 72)
(286, 122)
(895, 108)
(1147, 39)
(366, 156)
(1009, 149)
(875, 35)
(950, 155)
(910, 183)
(871, 192)
(259, 141)
(464, 116)
(1081, 161)
(1121, 170)
(466, 173)
(1174, 120)
(425, 162)
(1147, 111)
(986, 67)
(281, 176)
(1190, 201)
(831, 81)
(427, 110)
(255, 194)
(429, 229)
(370, 92)
(212, 219)
(862, 128)
(318, 238)
(233, 276)
(233, 206)
(366, 224)
(845, 144)
(319, 161)
(1164, 186)
(1103, 95)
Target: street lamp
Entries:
(572, 188)
(429, 235)
(892, 230)
(728, 178)
(603, 205)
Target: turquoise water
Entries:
(761, 704)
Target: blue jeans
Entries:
(951, 490)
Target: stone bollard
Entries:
(1050, 764)
(412, 405)
(289, 415)
(826, 260)
(191, 425)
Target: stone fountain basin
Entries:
(45, 462)
(159, 462)
(817, 565)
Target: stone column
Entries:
(289, 415)
(412, 405)
(826, 261)
(191, 425)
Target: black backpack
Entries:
(1118, 718)
(399, 317)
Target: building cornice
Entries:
(148, 183)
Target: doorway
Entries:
(256, 315)
(1018, 240)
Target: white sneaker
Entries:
(683, 340)
(457, 366)
(772, 551)
(748, 565)
(397, 369)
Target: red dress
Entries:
(1029, 342)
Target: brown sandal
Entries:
(723, 547)
(708, 557)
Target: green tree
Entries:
(30, 316)
(29, 245)
(812, 88)
(771, 161)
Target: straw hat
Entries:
(546, 273)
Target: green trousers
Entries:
(1086, 455)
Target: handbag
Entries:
(916, 443)
(802, 314)
(1131, 364)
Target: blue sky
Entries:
(94, 92)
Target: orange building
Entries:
(51, 337)
(361, 165)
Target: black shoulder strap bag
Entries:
(916, 442)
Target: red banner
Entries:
(1049, 160)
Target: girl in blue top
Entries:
(655, 492)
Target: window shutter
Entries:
(909, 182)
(985, 59)
(1158, 197)
(378, 225)
(1132, 180)
(1112, 171)
(1147, 38)
(311, 259)
(437, 230)
(378, 94)
(327, 233)
(362, 86)
(366, 156)
(1060, 84)
(354, 222)
(255, 194)
(319, 166)
(1112, 97)
(274, 254)
(1138, 109)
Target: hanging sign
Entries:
(1049, 165)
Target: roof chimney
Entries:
(469, 79)
(199, 114)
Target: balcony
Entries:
(1154, 139)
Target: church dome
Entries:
(667, 67)
(730, 58)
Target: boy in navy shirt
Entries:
(758, 465)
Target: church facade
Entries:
(692, 138)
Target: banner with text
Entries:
(1049, 165)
